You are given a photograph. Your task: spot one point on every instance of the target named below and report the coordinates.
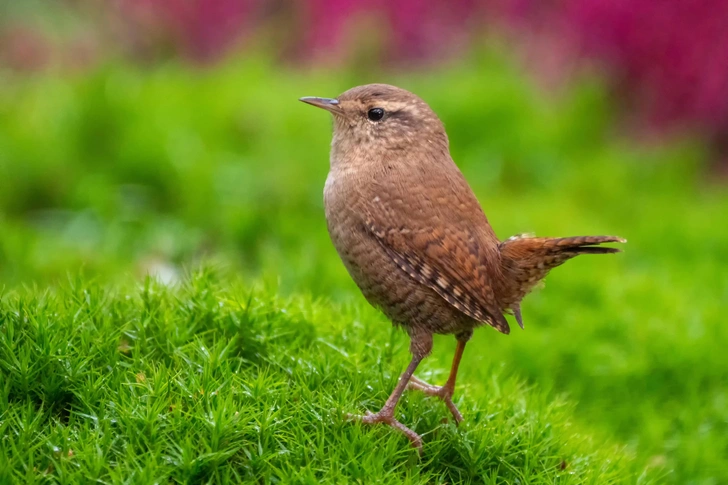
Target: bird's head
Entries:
(381, 117)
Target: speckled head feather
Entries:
(406, 120)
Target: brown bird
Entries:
(414, 238)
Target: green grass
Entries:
(620, 373)
(205, 383)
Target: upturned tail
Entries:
(527, 260)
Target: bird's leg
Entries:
(444, 392)
(420, 347)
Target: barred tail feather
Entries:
(527, 260)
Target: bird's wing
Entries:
(446, 258)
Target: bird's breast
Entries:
(343, 193)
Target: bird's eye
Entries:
(375, 114)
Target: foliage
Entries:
(125, 172)
(661, 57)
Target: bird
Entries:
(414, 238)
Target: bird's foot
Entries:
(443, 392)
(387, 417)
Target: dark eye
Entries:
(375, 114)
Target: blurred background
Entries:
(149, 136)
(151, 133)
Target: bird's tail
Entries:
(533, 257)
(526, 260)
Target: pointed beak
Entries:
(328, 104)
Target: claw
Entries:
(389, 419)
(517, 314)
(443, 392)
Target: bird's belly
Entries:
(402, 299)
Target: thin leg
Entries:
(420, 346)
(444, 392)
(386, 414)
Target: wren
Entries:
(414, 238)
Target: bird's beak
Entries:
(328, 104)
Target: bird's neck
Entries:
(359, 153)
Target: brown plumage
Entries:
(413, 236)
